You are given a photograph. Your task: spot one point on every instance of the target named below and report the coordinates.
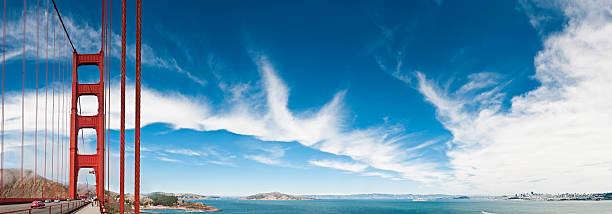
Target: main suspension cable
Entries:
(60, 19)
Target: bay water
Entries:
(404, 206)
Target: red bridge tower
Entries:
(78, 122)
(96, 122)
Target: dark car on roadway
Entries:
(36, 204)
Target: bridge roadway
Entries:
(56, 208)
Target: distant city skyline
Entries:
(318, 97)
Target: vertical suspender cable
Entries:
(65, 174)
(59, 80)
(67, 93)
(66, 106)
(3, 72)
(66, 116)
(105, 108)
(122, 119)
(110, 54)
(22, 98)
(59, 115)
(55, 131)
(61, 50)
(67, 149)
(137, 111)
(46, 96)
(67, 131)
(100, 182)
(53, 107)
(107, 147)
(64, 120)
(36, 111)
(60, 108)
(63, 115)
(108, 115)
(122, 96)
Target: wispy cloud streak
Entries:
(552, 139)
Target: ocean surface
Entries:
(405, 206)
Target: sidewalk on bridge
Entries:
(88, 209)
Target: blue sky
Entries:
(317, 97)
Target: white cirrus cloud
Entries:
(165, 159)
(272, 120)
(272, 155)
(555, 138)
(342, 165)
(259, 112)
(187, 152)
(379, 174)
(264, 159)
(47, 36)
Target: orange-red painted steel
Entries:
(3, 74)
(36, 111)
(22, 98)
(137, 121)
(109, 102)
(122, 122)
(46, 96)
(77, 122)
(96, 161)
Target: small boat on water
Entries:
(419, 199)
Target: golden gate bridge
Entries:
(60, 154)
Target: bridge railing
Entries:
(63, 207)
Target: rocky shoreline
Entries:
(187, 206)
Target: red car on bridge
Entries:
(37, 204)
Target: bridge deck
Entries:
(89, 209)
(50, 208)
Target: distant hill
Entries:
(191, 196)
(384, 196)
(184, 196)
(275, 196)
(14, 188)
